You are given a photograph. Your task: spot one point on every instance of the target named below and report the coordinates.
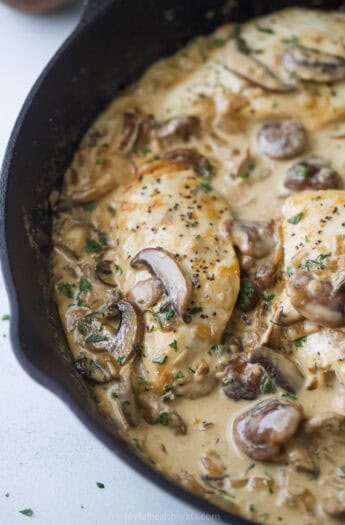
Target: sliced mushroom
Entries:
(130, 332)
(313, 65)
(182, 127)
(334, 506)
(284, 372)
(233, 343)
(242, 379)
(248, 67)
(154, 408)
(127, 396)
(317, 299)
(281, 139)
(170, 272)
(130, 131)
(299, 458)
(100, 369)
(261, 431)
(314, 173)
(105, 272)
(95, 191)
(191, 157)
(253, 238)
(127, 339)
(326, 421)
(265, 275)
(146, 293)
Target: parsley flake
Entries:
(295, 218)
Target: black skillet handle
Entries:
(92, 7)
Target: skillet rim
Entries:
(89, 18)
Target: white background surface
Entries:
(48, 461)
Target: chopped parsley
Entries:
(27, 512)
(290, 40)
(267, 298)
(218, 349)
(93, 246)
(227, 381)
(88, 317)
(300, 341)
(161, 359)
(317, 264)
(289, 271)
(138, 349)
(250, 467)
(295, 218)
(205, 169)
(217, 42)
(179, 375)
(100, 485)
(6, 317)
(119, 269)
(204, 186)
(300, 171)
(195, 310)
(265, 29)
(240, 41)
(163, 419)
(102, 161)
(89, 206)
(268, 386)
(191, 224)
(66, 290)
(269, 483)
(84, 284)
(246, 292)
(95, 338)
(173, 344)
(292, 397)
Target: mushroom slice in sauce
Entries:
(127, 397)
(299, 458)
(317, 299)
(130, 131)
(284, 372)
(156, 411)
(242, 380)
(314, 173)
(182, 127)
(281, 139)
(253, 238)
(249, 68)
(265, 275)
(191, 157)
(334, 506)
(129, 334)
(261, 431)
(313, 65)
(146, 293)
(329, 421)
(100, 369)
(170, 272)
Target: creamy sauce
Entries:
(120, 196)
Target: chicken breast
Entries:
(313, 231)
(172, 208)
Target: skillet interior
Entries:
(96, 62)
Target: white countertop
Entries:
(49, 462)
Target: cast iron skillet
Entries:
(113, 44)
